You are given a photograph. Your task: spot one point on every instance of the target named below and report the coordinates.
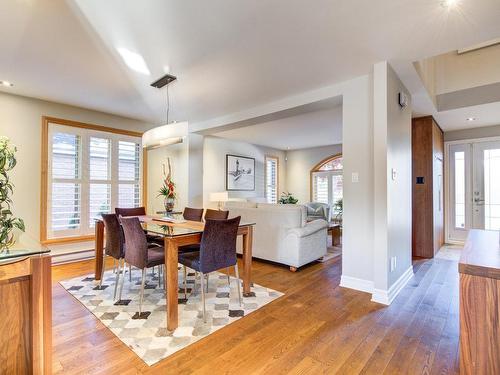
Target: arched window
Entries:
(326, 181)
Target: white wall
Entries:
(20, 120)
(298, 167)
(392, 200)
(357, 154)
(214, 167)
(178, 155)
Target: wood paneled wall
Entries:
(428, 193)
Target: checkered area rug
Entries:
(146, 334)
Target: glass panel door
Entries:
(486, 186)
(473, 188)
(459, 210)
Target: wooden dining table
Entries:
(176, 235)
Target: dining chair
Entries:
(114, 246)
(138, 211)
(216, 214)
(139, 253)
(193, 214)
(130, 211)
(217, 251)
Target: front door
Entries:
(473, 188)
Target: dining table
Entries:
(176, 234)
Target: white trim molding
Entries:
(385, 297)
(356, 284)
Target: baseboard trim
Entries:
(385, 297)
(356, 284)
(71, 257)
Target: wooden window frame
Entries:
(316, 168)
(44, 184)
(277, 175)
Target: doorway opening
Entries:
(473, 186)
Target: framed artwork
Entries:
(240, 173)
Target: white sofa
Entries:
(281, 233)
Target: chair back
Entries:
(216, 214)
(137, 245)
(135, 211)
(193, 214)
(114, 236)
(218, 244)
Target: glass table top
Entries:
(180, 229)
(24, 246)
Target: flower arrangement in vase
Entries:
(167, 191)
(7, 221)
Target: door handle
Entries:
(478, 200)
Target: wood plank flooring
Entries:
(316, 328)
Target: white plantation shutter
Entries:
(128, 174)
(90, 173)
(320, 188)
(66, 183)
(271, 179)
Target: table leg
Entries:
(99, 247)
(172, 283)
(247, 260)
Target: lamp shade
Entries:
(165, 135)
(219, 197)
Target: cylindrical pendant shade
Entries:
(165, 135)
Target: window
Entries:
(272, 166)
(326, 181)
(89, 172)
(460, 189)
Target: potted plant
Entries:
(7, 221)
(167, 191)
(287, 198)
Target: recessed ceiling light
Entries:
(6, 83)
(449, 3)
(134, 61)
(471, 118)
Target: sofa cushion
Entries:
(238, 204)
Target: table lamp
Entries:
(219, 198)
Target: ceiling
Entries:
(228, 55)
(312, 129)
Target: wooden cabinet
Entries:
(479, 270)
(26, 308)
(427, 187)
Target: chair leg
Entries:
(122, 281)
(228, 278)
(129, 272)
(207, 281)
(102, 270)
(142, 290)
(202, 278)
(114, 265)
(117, 279)
(238, 281)
(160, 276)
(185, 283)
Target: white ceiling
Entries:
(229, 55)
(313, 129)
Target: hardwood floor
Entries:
(317, 327)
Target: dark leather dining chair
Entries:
(193, 214)
(138, 211)
(217, 251)
(139, 252)
(114, 246)
(134, 211)
(216, 214)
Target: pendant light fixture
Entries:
(168, 134)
